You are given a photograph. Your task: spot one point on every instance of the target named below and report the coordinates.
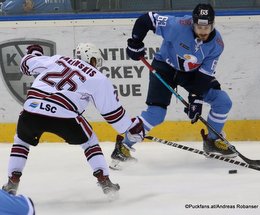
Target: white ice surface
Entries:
(163, 182)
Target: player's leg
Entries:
(27, 134)
(220, 106)
(158, 98)
(84, 136)
(98, 164)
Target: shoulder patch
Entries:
(220, 42)
(185, 21)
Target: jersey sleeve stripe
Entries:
(153, 20)
(114, 116)
(24, 67)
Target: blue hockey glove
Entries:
(135, 49)
(135, 133)
(35, 50)
(194, 109)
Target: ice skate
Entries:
(120, 155)
(217, 146)
(13, 183)
(107, 186)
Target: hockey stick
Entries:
(186, 104)
(197, 151)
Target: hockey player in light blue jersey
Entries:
(15, 205)
(188, 56)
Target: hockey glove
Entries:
(135, 133)
(35, 50)
(194, 109)
(135, 49)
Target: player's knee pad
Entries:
(154, 115)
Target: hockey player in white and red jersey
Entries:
(61, 91)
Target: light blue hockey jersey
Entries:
(15, 7)
(15, 205)
(180, 47)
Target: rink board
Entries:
(177, 131)
(237, 73)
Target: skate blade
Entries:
(116, 165)
(120, 165)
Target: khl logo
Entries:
(11, 54)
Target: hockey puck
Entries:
(233, 171)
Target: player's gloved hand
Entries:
(135, 49)
(195, 107)
(35, 50)
(135, 133)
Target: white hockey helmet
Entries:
(86, 51)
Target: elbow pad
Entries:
(142, 25)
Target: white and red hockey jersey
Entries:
(64, 86)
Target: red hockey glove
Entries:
(135, 133)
